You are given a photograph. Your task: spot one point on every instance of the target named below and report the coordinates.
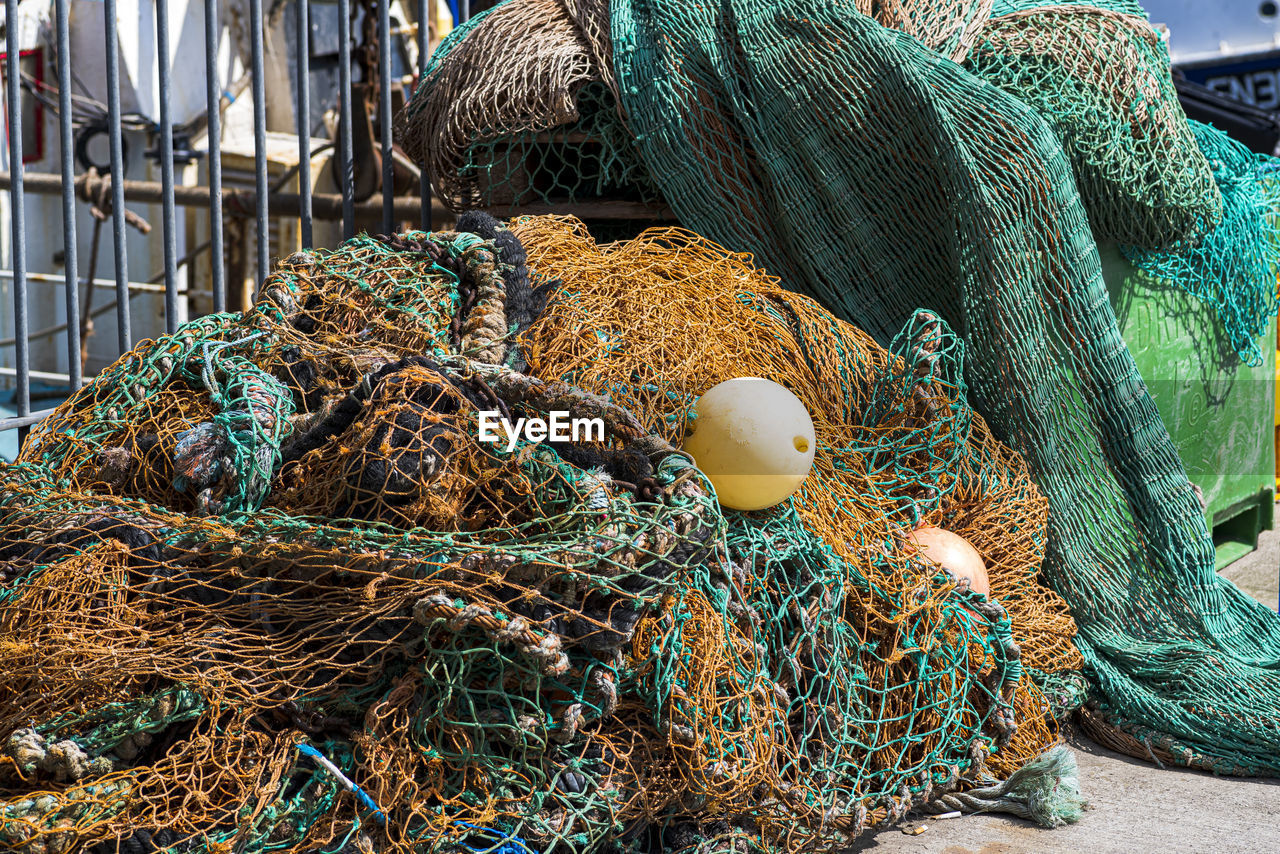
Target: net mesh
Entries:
(1235, 267)
(586, 160)
(948, 26)
(538, 128)
(1100, 78)
(861, 167)
(265, 588)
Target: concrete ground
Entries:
(1134, 807)
(1258, 573)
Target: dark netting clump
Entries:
(266, 589)
(519, 132)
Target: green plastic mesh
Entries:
(864, 168)
(590, 159)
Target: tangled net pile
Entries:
(265, 589)
(539, 126)
(967, 155)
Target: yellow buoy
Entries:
(754, 440)
(955, 554)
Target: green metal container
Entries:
(1218, 410)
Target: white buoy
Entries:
(754, 440)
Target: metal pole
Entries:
(384, 116)
(67, 156)
(304, 118)
(325, 206)
(124, 338)
(345, 143)
(213, 104)
(22, 422)
(260, 136)
(166, 171)
(17, 217)
(424, 45)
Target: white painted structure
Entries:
(1206, 29)
(140, 96)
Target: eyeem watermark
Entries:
(558, 426)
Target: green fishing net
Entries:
(1234, 267)
(1100, 77)
(587, 160)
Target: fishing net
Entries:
(1100, 77)
(265, 587)
(1096, 71)
(866, 169)
(535, 128)
(709, 317)
(1234, 268)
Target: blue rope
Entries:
(360, 793)
(509, 843)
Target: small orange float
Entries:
(954, 553)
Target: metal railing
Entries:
(304, 204)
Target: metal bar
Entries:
(67, 155)
(384, 116)
(329, 206)
(166, 170)
(17, 214)
(43, 376)
(304, 117)
(260, 136)
(23, 421)
(115, 135)
(213, 104)
(54, 279)
(345, 144)
(464, 10)
(61, 327)
(425, 9)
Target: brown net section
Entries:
(491, 86)
(950, 27)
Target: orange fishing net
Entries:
(656, 321)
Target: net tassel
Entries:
(1046, 790)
